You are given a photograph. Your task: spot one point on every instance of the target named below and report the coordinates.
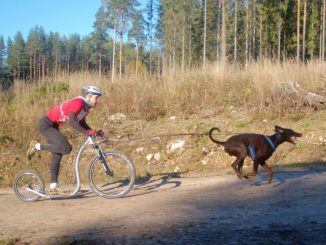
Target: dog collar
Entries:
(270, 142)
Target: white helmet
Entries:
(91, 90)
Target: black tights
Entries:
(56, 143)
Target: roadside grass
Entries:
(8, 240)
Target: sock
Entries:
(53, 185)
(38, 146)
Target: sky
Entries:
(63, 16)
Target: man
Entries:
(74, 112)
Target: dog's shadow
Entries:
(286, 174)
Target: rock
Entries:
(177, 169)
(175, 145)
(204, 161)
(117, 118)
(140, 149)
(157, 156)
(205, 151)
(149, 157)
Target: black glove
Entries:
(100, 133)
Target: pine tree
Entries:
(136, 34)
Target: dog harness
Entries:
(251, 148)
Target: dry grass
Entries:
(141, 97)
(187, 95)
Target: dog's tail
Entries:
(211, 136)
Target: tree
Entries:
(17, 62)
(32, 48)
(136, 34)
(150, 26)
(205, 32)
(2, 52)
(298, 31)
(100, 36)
(55, 50)
(322, 48)
(304, 30)
(223, 34)
(235, 29)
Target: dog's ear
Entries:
(279, 129)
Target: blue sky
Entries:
(62, 16)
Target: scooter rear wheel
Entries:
(26, 184)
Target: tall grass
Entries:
(213, 88)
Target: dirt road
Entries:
(172, 210)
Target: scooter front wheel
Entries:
(118, 181)
(27, 184)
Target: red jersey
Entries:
(60, 113)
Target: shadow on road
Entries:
(227, 212)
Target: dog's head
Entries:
(287, 134)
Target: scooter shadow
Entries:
(150, 184)
(143, 186)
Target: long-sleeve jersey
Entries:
(73, 111)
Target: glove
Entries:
(91, 132)
(100, 133)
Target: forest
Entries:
(169, 36)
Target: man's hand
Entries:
(100, 133)
(93, 132)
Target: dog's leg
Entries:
(240, 165)
(236, 165)
(240, 152)
(270, 172)
(253, 173)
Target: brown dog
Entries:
(258, 147)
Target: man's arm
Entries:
(73, 122)
(84, 124)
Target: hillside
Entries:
(235, 100)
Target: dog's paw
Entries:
(249, 179)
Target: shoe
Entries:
(31, 150)
(53, 192)
(57, 191)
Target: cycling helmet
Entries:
(91, 90)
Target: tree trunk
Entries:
(260, 37)
(113, 55)
(254, 31)
(190, 52)
(223, 34)
(235, 29)
(279, 42)
(247, 35)
(304, 31)
(204, 41)
(298, 32)
(43, 68)
(323, 33)
(183, 44)
(34, 66)
(218, 40)
(100, 65)
(137, 57)
(174, 49)
(121, 40)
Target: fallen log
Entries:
(291, 92)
